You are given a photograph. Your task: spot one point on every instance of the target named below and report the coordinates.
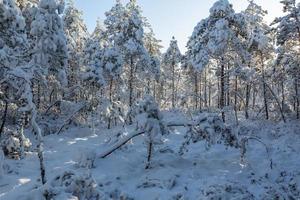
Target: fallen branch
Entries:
(120, 144)
(133, 135)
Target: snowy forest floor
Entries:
(198, 174)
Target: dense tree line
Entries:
(54, 73)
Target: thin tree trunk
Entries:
(21, 120)
(235, 100)
(282, 94)
(196, 90)
(4, 118)
(173, 85)
(150, 147)
(200, 92)
(248, 91)
(219, 92)
(264, 88)
(209, 95)
(222, 100)
(131, 87)
(254, 98)
(205, 88)
(111, 101)
(297, 98)
(228, 86)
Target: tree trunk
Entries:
(111, 101)
(264, 87)
(21, 121)
(200, 92)
(131, 77)
(205, 88)
(282, 94)
(297, 98)
(173, 85)
(254, 98)
(150, 147)
(228, 86)
(38, 96)
(4, 118)
(196, 90)
(248, 91)
(209, 95)
(222, 85)
(235, 100)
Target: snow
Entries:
(147, 152)
(199, 173)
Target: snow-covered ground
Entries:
(198, 174)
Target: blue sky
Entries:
(170, 17)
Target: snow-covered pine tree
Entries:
(288, 39)
(112, 64)
(28, 9)
(92, 70)
(170, 62)
(149, 120)
(133, 47)
(50, 52)
(18, 74)
(193, 87)
(213, 38)
(77, 34)
(13, 44)
(153, 46)
(12, 39)
(49, 60)
(261, 48)
(125, 29)
(152, 72)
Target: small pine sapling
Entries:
(149, 120)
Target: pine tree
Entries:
(13, 44)
(19, 75)
(288, 39)
(77, 34)
(125, 30)
(112, 64)
(170, 61)
(153, 72)
(261, 48)
(92, 70)
(213, 38)
(50, 51)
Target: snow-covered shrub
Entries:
(86, 159)
(226, 191)
(286, 186)
(70, 185)
(11, 144)
(117, 194)
(149, 119)
(211, 129)
(110, 111)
